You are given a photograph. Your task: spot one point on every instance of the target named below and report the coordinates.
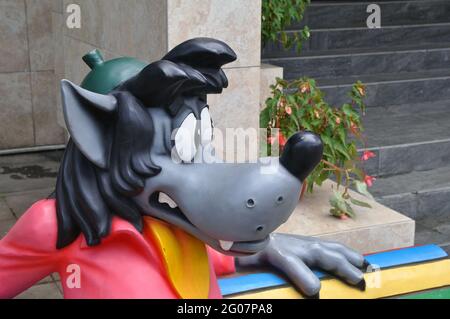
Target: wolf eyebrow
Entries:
(175, 109)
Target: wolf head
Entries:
(129, 156)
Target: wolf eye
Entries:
(185, 138)
(206, 127)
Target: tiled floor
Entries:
(27, 178)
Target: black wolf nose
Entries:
(302, 152)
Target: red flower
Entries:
(369, 180)
(367, 155)
(281, 139)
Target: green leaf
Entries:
(360, 203)
(358, 172)
(322, 177)
(342, 151)
(264, 118)
(341, 134)
(338, 201)
(350, 212)
(334, 200)
(306, 33)
(284, 37)
(291, 99)
(348, 110)
(326, 140)
(361, 187)
(335, 212)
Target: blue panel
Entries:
(382, 260)
(406, 256)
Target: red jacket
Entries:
(124, 265)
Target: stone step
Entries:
(346, 64)
(406, 138)
(392, 88)
(347, 14)
(364, 38)
(434, 229)
(418, 194)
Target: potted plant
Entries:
(300, 105)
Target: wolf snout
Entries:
(301, 154)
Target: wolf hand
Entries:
(295, 255)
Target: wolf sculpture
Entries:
(135, 216)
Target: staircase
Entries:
(406, 68)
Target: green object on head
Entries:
(105, 76)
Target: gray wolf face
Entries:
(146, 150)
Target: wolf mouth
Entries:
(167, 210)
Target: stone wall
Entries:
(116, 27)
(27, 103)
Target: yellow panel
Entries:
(385, 283)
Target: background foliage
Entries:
(279, 14)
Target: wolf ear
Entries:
(161, 82)
(88, 118)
